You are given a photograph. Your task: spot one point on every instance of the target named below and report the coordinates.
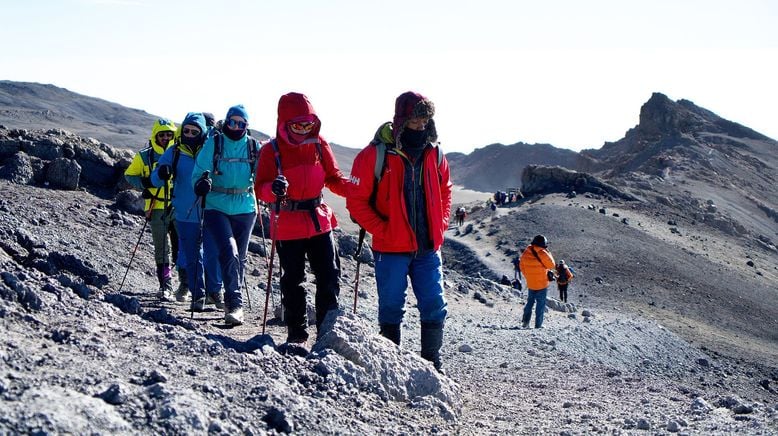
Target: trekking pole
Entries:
(270, 264)
(264, 242)
(134, 250)
(201, 218)
(356, 256)
(245, 285)
(165, 224)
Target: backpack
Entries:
(218, 148)
(564, 275)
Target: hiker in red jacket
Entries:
(406, 213)
(294, 167)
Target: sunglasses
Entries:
(232, 124)
(190, 132)
(165, 134)
(304, 127)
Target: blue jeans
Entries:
(196, 254)
(532, 298)
(426, 272)
(231, 236)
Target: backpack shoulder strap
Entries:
(276, 155)
(380, 163)
(380, 160)
(176, 155)
(147, 155)
(253, 151)
(217, 151)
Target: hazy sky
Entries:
(570, 73)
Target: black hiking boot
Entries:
(391, 332)
(431, 341)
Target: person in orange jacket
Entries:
(294, 167)
(537, 266)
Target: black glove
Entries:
(146, 194)
(165, 172)
(202, 186)
(146, 182)
(279, 186)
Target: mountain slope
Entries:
(37, 106)
(498, 167)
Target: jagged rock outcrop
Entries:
(62, 160)
(536, 179)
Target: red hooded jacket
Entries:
(388, 222)
(305, 169)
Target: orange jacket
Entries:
(533, 270)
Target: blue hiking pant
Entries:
(200, 256)
(231, 237)
(426, 272)
(533, 297)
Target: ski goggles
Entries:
(234, 124)
(301, 127)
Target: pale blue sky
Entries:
(570, 73)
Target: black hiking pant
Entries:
(562, 292)
(325, 265)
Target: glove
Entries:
(202, 187)
(146, 194)
(279, 186)
(146, 182)
(165, 172)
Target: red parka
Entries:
(388, 222)
(306, 170)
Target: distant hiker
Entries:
(516, 263)
(224, 173)
(158, 212)
(461, 214)
(176, 165)
(564, 276)
(406, 215)
(537, 265)
(294, 167)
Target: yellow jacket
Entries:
(138, 174)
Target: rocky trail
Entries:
(80, 357)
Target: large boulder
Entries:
(539, 179)
(18, 169)
(63, 173)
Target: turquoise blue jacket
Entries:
(235, 174)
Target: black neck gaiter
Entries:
(234, 134)
(410, 138)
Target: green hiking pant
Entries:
(162, 226)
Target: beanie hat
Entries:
(540, 241)
(413, 105)
(239, 110)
